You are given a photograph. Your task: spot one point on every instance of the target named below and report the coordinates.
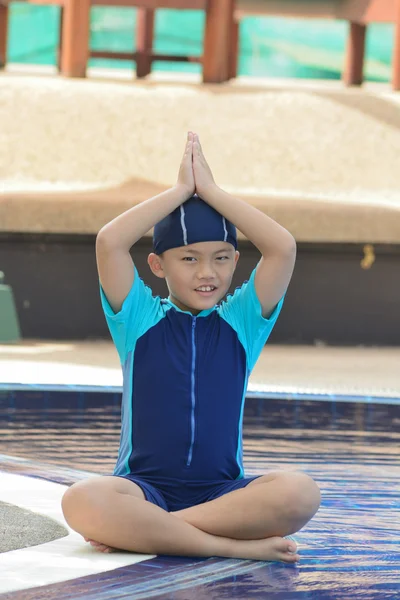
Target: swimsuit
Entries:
(184, 385)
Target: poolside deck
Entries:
(304, 370)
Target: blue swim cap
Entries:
(192, 222)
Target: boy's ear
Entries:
(155, 263)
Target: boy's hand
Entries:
(186, 176)
(202, 172)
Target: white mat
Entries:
(67, 558)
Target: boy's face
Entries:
(188, 268)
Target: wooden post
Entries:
(234, 49)
(75, 38)
(354, 65)
(144, 41)
(217, 36)
(396, 50)
(3, 34)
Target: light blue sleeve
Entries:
(243, 312)
(139, 311)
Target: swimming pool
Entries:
(349, 549)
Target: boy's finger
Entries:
(189, 146)
(198, 142)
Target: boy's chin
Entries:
(211, 298)
(200, 303)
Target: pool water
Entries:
(270, 47)
(349, 549)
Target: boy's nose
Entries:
(206, 275)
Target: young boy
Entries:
(178, 486)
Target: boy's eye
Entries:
(190, 258)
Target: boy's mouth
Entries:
(206, 290)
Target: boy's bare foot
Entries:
(269, 549)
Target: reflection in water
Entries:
(349, 549)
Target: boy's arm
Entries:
(126, 229)
(114, 241)
(276, 244)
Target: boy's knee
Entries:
(303, 496)
(79, 507)
(309, 494)
(70, 504)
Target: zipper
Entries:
(193, 396)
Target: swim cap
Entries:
(192, 222)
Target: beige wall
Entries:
(323, 160)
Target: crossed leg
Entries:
(247, 523)
(276, 504)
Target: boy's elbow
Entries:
(290, 246)
(103, 236)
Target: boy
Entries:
(178, 487)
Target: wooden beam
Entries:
(318, 9)
(3, 34)
(217, 35)
(144, 41)
(133, 56)
(234, 50)
(358, 11)
(367, 11)
(353, 73)
(75, 38)
(154, 4)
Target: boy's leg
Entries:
(112, 511)
(276, 504)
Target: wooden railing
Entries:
(221, 34)
(74, 50)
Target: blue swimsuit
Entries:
(184, 385)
